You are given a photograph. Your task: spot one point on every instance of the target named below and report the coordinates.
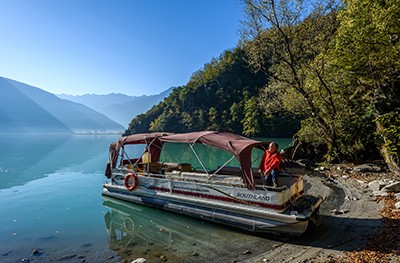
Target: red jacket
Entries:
(269, 162)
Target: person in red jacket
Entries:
(269, 166)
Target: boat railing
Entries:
(184, 172)
(193, 176)
(206, 181)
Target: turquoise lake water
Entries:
(50, 197)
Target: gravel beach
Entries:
(363, 228)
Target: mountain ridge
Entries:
(28, 109)
(119, 107)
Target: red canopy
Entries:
(238, 145)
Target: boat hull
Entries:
(258, 221)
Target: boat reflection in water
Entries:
(137, 231)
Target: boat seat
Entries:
(162, 167)
(217, 177)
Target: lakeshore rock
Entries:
(365, 168)
(393, 187)
(376, 185)
(380, 193)
(139, 260)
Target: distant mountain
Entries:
(119, 107)
(24, 108)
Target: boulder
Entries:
(287, 152)
(303, 150)
(376, 185)
(365, 168)
(392, 188)
(380, 193)
(299, 153)
(139, 260)
(310, 152)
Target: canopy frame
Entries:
(241, 147)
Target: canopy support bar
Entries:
(221, 168)
(259, 155)
(198, 158)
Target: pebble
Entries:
(339, 212)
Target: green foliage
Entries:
(220, 96)
(335, 66)
(366, 53)
(291, 51)
(391, 130)
(338, 68)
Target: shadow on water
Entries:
(137, 231)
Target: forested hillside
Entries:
(335, 65)
(222, 96)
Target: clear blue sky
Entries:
(134, 47)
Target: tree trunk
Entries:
(392, 160)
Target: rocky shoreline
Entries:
(363, 228)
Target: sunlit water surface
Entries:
(51, 205)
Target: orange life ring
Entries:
(135, 181)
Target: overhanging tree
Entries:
(367, 54)
(288, 42)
